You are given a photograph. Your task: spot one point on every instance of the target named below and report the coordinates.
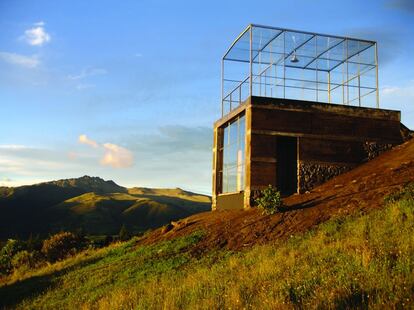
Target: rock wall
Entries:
(314, 174)
(373, 149)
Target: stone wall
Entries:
(314, 174)
(373, 149)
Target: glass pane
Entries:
(231, 179)
(226, 135)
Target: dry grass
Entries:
(355, 262)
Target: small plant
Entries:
(407, 192)
(124, 234)
(269, 201)
(6, 255)
(24, 260)
(61, 245)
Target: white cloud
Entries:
(20, 162)
(401, 98)
(87, 73)
(85, 140)
(20, 60)
(117, 156)
(12, 147)
(114, 155)
(83, 86)
(36, 36)
(404, 91)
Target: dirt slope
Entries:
(360, 189)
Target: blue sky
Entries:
(129, 90)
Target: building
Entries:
(298, 108)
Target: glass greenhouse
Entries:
(281, 63)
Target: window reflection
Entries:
(233, 156)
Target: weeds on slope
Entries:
(360, 261)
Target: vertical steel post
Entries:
(376, 73)
(284, 64)
(329, 86)
(359, 79)
(251, 61)
(316, 71)
(347, 74)
(222, 87)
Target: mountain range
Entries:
(93, 206)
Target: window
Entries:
(232, 153)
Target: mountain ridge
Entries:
(51, 206)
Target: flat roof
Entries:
(330, 50)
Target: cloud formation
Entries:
(20, 60)
(83, 86)
(36, 36)
(406, 91)
(85, 140)
(117, 156)
(114, 155)
(396, 97)
(87, 73)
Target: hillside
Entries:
(359, 190)
(341, 246)
(92, 205)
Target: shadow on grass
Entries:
(354, 300)
(13, 294)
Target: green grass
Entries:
(361, 261)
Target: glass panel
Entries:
(291, 64)
(234, 133)
(231, 180)
(226, 135)
(233, 156)
(241, 49)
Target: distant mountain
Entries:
(90, 184)
(92, 205)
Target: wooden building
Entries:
(298, 108)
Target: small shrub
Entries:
(23, 260)
(34, 243)
(62, 245)
(269, 201)
(6, 254)
(124, 234)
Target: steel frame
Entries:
(234, 96)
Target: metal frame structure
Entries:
(283, 63)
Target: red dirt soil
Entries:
(361, 189)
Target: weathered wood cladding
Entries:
(332, 151)
(331, 139)
(324, 125)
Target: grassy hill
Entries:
(358, 261)
(92, 205)
(347, 244)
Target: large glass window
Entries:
(232, 173)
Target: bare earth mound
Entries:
(361, 189)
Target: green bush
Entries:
(124, 234)
(6, 255)
(269, 201)
(62, 245)
(24, 260)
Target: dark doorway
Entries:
(287, 169)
